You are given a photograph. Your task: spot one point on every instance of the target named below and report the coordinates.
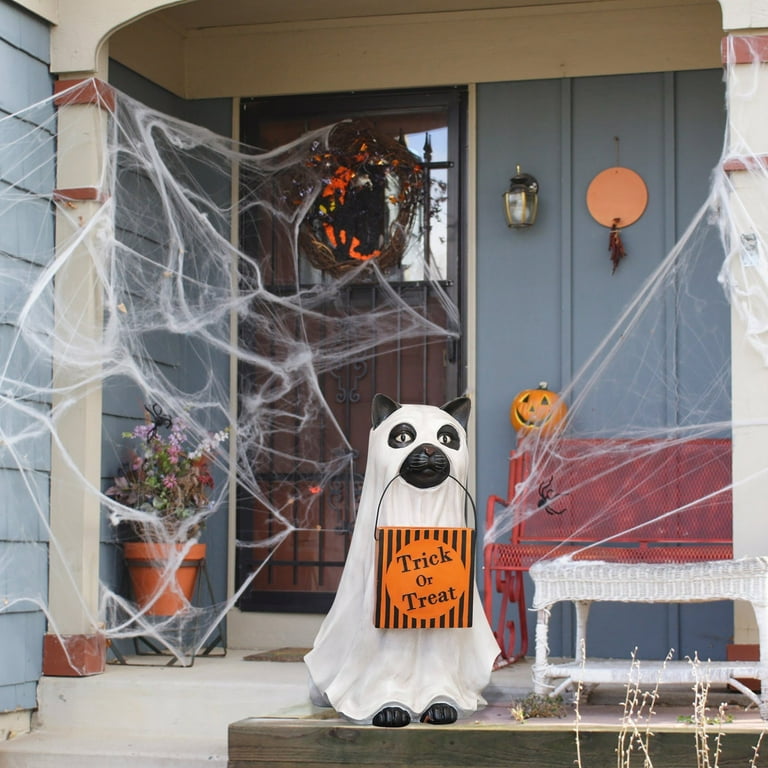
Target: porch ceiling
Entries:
(204, 14)
(213, 48)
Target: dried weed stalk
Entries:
(635, 733)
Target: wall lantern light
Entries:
(521, 200)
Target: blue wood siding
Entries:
(26, 233)
(546, 296)
(174, 354)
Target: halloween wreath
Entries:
(371, 188)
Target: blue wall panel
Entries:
(25, 32)
(518, 294)
(547, 296)
(24, 495)
(23, 646)
(174, 354)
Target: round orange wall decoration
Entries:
(617, 197)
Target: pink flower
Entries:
(143, 430)
(164, 477)
(174, 451)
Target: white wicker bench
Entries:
(583, 582)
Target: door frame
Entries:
(249, 630)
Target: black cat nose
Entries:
(428, 449)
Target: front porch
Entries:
(225, 708)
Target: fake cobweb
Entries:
(231, 343)
(640, 469)
(643, 453)
(202, 360)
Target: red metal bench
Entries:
(625, 501)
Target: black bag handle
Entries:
(467, 495)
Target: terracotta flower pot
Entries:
(147, 568)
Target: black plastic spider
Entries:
(159, 419)
(546, 494)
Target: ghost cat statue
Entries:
(388, 677)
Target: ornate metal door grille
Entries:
(302, 573)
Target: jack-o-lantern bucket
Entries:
(537, 410)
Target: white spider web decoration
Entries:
(178, 299)
(177, 296)
(647, 437)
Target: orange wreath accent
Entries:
(371, 188)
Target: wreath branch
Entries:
(358, 160)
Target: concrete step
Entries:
(119, 749)
(154, 716)
(203, 698)
(144, 715)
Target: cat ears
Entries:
(383, 407)
(459, 408)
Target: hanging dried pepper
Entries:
(615, 245)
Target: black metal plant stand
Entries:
(145, 646)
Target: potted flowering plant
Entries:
(165, 486)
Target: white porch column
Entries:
(745, 56)
(73, 645)
(79, 51)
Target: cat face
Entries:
(430, 446)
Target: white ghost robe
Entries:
(359, 669)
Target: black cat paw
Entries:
(391, 717)
(440, 714)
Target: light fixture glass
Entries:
(521, 200)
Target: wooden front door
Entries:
(301, 572)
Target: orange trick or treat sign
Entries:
(424, 578)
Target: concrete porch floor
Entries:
(159, 716)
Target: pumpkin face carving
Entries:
(538, 410)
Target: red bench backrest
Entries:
(627, 491)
